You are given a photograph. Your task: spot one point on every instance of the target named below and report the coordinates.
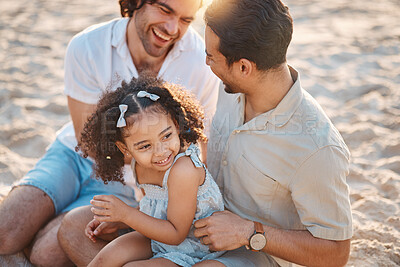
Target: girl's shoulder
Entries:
(184, 168)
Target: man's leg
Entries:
(25, 215)
(24, 211)
(71, 236)
(45, 249)
(78, 247)
(44, 192)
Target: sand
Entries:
(348, 56)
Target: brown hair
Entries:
(127, 7)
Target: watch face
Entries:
(258, 241)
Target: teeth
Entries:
(163, 161)
(162, 36)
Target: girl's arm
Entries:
(183, 183)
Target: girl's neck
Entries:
(150, 175)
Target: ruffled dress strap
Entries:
(193, 152)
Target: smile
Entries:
(161, 162)
(161, 35)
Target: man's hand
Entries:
(95, 228)
(224, 230)
(109, 208)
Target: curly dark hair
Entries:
(101, 133)
(127, 7)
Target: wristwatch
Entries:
(257, 240)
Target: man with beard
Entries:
(153, 37)
(280, 163)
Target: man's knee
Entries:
(22, 213)
(39, 258)
(46, 250)
(43, 258)
(73, 225)
(8, 244)
(67, 226)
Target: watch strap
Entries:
(258, 228)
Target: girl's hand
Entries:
(90, 228)
(95, 228)
(109, 208)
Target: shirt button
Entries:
(225, 163)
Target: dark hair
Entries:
(127, 7)
(100, 132)
(258, 30)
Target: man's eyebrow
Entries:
(166, 6)
(172, 10)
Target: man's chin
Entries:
(228, 89)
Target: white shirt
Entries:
(98, 58)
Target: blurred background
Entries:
(348, 55)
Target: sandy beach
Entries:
(348, 54)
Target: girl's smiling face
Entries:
(153, 140)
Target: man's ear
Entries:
(246, 67)
(122, 147)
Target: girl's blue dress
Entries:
(155, 202)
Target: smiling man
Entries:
(279, 162)
(153, 36)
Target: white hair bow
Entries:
(148, 95)
(121, 121)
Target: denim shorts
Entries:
(65, 177)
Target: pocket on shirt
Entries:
(249, 189)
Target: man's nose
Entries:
(172, 26)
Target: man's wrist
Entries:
(248, 230)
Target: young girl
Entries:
(156, 124)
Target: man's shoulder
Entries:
(100, 28)
(317, 126)
(93, 40)
(101, 31)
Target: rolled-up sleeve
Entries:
(79, 72)
(321, 194)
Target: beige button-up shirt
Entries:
(285, 168)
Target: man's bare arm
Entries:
(80, 112)
(227, 231)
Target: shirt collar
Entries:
(289, 104)
(282, 113)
